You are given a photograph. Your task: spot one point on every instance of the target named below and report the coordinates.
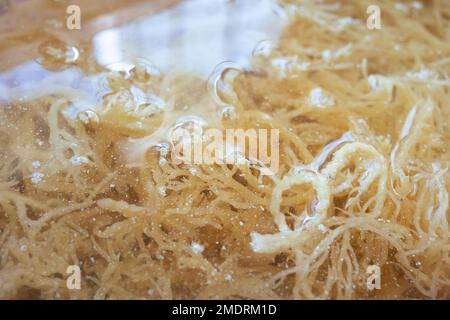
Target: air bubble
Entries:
(139, 69)
(220, 87)
(263, 49)
(56, 55)
(228, 112)
(144, 70)
(88, 117)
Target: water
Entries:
(212, 40)
(193, 36)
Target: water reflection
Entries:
(192, 36)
